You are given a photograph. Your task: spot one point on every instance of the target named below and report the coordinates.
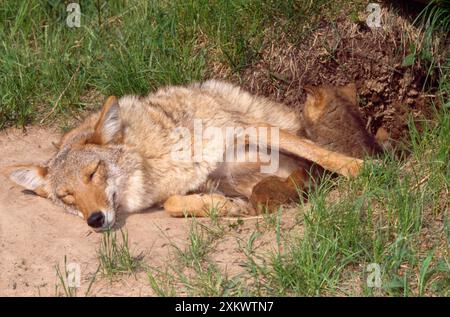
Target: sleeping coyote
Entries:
(163, 149)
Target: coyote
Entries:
(121, 158)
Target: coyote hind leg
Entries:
(273, 191)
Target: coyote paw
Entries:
(352, 169)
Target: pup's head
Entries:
(323, 99)
(80, 176)
(332, 119)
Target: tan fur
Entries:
(130, 142)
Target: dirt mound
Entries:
(388, 82)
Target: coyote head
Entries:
(84, 173)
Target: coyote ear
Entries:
(314, 96)
(350, 92)
(315, 103)
(31, 177)
(108, 127)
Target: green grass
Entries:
(435, 22)
(201, 241)
(115, 257)
(192, 271)
(49, 70)
(63, 287)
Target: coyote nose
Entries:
(96, 219)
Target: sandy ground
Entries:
(36, 235)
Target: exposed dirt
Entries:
(36, 235)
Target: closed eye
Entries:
(92, 174)
(68, 199)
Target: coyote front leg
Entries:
(203, 205)
(305, 148)
(332, 161)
